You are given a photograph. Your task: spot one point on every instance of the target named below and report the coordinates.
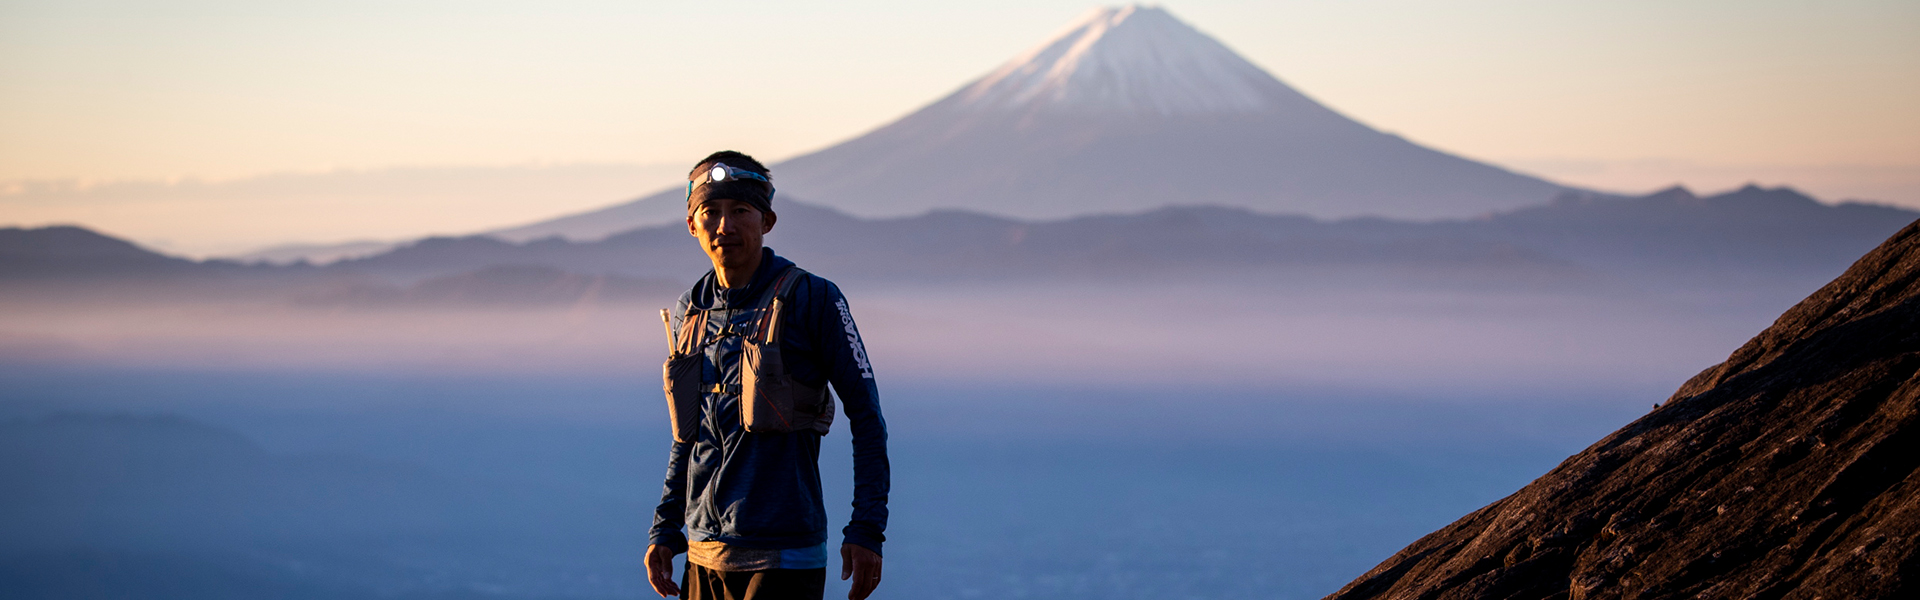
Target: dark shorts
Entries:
(702, 583)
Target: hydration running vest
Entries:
(771, 400)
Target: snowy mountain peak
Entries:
(1127, 109)
(1130, 59)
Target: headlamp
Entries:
(725, 172)
(722, 174)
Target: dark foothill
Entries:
(1788, 471)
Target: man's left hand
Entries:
(863, 566)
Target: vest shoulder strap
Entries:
(782, 290)
(782, 287)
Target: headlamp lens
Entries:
(719, 173)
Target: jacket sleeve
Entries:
(843, 357)
(669, 517)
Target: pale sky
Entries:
(1624, 95)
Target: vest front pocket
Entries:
(771, 401)
(681, 379)
(766, 400)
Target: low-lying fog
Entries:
(1048, 440)
(1219, 333)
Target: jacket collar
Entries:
(708, 295)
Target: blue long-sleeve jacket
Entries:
(762, 490)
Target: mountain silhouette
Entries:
(1792, 470)
(1127, 109)
(65, 251)
(1749, 239)
(1752, 236)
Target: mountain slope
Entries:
(1792, 470)
(1131, 109)
(1128, 109)
(659, 208)
(68, 251)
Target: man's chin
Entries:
(732, 253)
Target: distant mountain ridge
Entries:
(1128, 109)
(1671, 236)
(65, 250)
(1775, 238)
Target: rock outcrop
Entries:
(1788, 471)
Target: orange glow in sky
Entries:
(1619, 95)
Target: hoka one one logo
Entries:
(853, 339)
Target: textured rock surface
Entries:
(1789, 471)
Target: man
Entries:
(756, 341)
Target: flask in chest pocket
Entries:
(681, 374)
(771, 400)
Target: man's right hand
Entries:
(660, 570)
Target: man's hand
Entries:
(660, 570)
(863, 566)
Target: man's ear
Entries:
(767, 219)
(690, 230)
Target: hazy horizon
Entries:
(166, 216)
(1709, 95)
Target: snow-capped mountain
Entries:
(1127, 109)
(1131, 60)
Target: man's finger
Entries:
(660, 572)
(846, 562)
(866, 571)
(665, 587)
(653, 579)
(869, 579)
(861, 590)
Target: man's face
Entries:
(730, 231)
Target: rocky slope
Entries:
(1789, 471)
